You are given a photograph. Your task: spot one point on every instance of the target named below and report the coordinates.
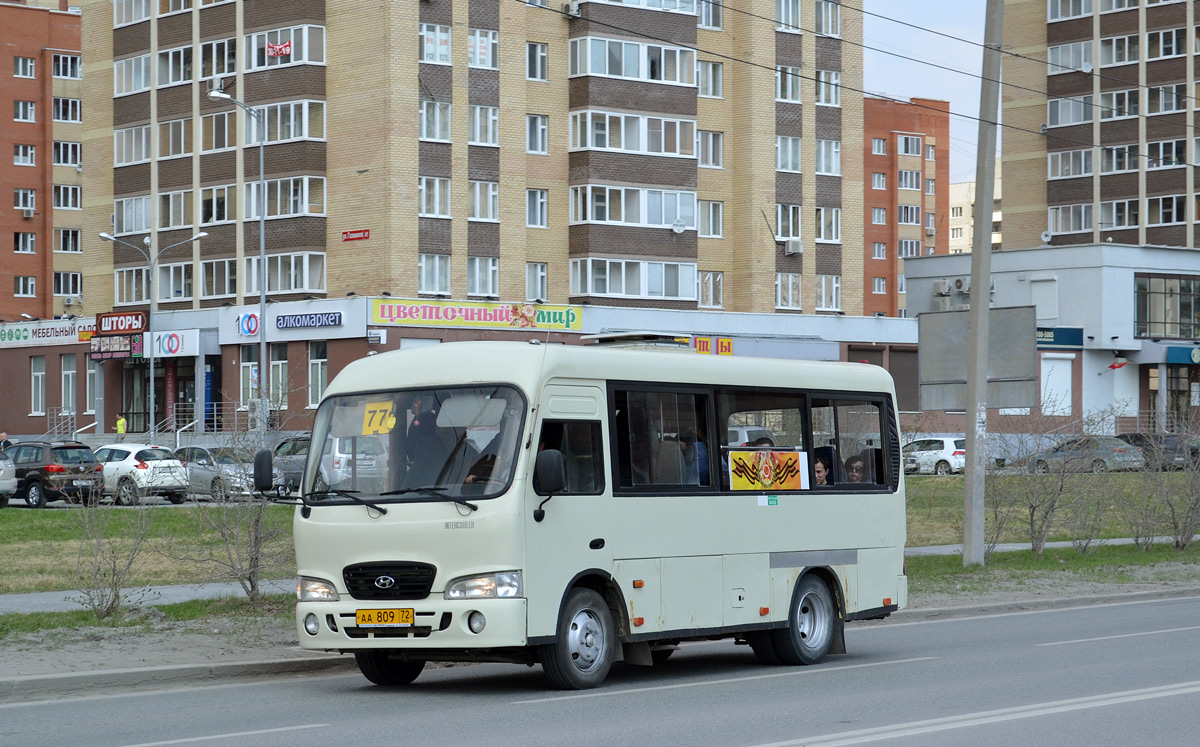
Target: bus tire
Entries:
(812, 623)
(763, 648)
(582, 652)
(380, 669)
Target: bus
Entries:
(578, 506)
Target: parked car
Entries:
(220, 471)
(289, 458)
(135, 471)
(935, 456)
(344, 464)
(1088, 454)
(56, 470)
(1165, 450)
(8, 479)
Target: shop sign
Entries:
(359, 235)
(44, 333)
(184, 343)
(113, 347)
(713, 345)
(1060, 338)
(121, 323)
(476, 315)
(309, 321)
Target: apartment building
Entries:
(906, 196)
(673, 155)
(40, 78)
(1104, 154)
(962, 215)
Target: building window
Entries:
(711, 79)
(1119, 104)
(318, 371)
(536, 282)
(1118, 50)
(930, 153)
(68, 283)
(829, 18)
(67, 240)
(24, 67)
(909, 179)
(1165, 211)
(879, 146)
(1118, 214)
(878, 250)
(433, 274)
(483, 48)
(291, 196)
(1060, 10)
(90, 377)
(435, 43)
(908, 215)
(483, 125)
(288, 273)
(909, 145)
(294, 45)
(536, 61)
(216, 204)
(1117, 159)
(787, 222)
(909, 248)
(1165, 99)
(878, 180)
(25, 286)
(1166, 154)
(25, 199)
(132, 285)
(829, 88)
(956, 233)
(483, 276)
(37, 385)
(537, 134)
(879, 216)
(435, 120)
(787, 290)
(175, 138)
(484, 201)
(1169, 43)
(68, 197)
(131, 75)
(25, 243)
(216, 132)
(290, 120)
(68, 154)
(67, 110)
(174, 282)
(632, 133)
(536, 208)
(594, 203)
(712, 290)
(829, 157)
(787, 15)
(175, 209)
(249, 374)
(788, 83)
(130, 11)
(24, 155)
(433, 195)
(633, 279)
(711, 149)
(956, 212)
(708, 14)
(1070, 218)
(175, 66)
(218, 278)
(930, 186)
(829, 224)
(279, 375)
(1068, 58)
(711, 218)
(879, 286)
(787, 153)
(829, 292)
(623, 59)
(23, 111)
(1163, 306)
(218, 58)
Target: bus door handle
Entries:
(597, 544)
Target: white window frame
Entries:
(131, 75)
(787, 16)
(1062, 10)
(24, 111)
(318, 371)
(218, 278)
(175, 209)
(788, 153)
(1064, 219)
(131, 285)
(37, 385)
(828, 18)
(907, 248)
(174, 138)
(649, 62)
(1166, 154)
(483, 48)
(218, 59)
(789, 222)
(1166, 99)
(654, 208)
(1166, 210)
(483, 276)
(24, 198)
(712, 289)
(290, 272)
(1123, 104)
(24, 67)
(879, 146)
(829, 293)
(710, 149)
(67, 66)
(483, 125)
(1119, 50)
(174, 66)
(174, 282)
(1119, 214)
(218, 132)
(829, 225)
(1070, 164)
(537, 63)
(908, 215)
(537, 208)
(24, 155)
(483, 201)
(1068, 58)
(829, 157)
(632, 133)
(789, 84)
(289, 197)
(68, 241)
(710, 79)
(829, 88)
(787, 291)
(65, 109)
(434, 44)
(217, 204)
(1118, 159)
(433, 197)
(24, 242)
(24, 286)
(627, 278)
(433, 274)
(68, 197)
(67, 153)
(288, 121)
(709, 14)
(879, 286)
(908, 145)
(908, 179)
(305, 42)
(1167, 42)
(537, 285)
(712, 219)
(879, 216)
(90, 388)
(126, 12)
(878, 250)
(537, 134)
(434, 121)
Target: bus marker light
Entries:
(764, 611)
(638, 584)
(639, 621)
(887, 601)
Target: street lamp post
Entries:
(264, 370)
(152, 260)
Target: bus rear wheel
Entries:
(582, 652)
(811, 624)
(379, 668)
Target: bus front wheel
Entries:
(383, 670)
(811, 624)
(582, 652)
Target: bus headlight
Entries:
(491, 586)
(315, 590)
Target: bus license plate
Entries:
(400, 618)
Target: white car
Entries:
(135, 471)
(8, 479)
(935, 456)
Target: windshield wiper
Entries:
(351, 494)
(435, 492)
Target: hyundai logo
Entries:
(385, 582)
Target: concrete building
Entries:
(1105, 154)
(1118, 326)
(906, 151)
(962, 214)
(41, 182)
(453, 155)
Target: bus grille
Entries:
(408, 580)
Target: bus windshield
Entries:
(415, 444)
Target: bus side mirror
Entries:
(264, 478)
(549, 477)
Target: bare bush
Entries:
(111, 540)
(1183, 505)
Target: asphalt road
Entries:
(1119, 674)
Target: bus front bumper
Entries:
(436, 624)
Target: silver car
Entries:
(218, 471)
(8, 479)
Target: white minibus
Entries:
(578, 506)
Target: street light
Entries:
(218, 94)
(152, 260)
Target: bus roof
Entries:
(526, 364)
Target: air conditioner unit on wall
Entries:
(962, 285)
(793, 246)
(941, 304)
(571, 9)
(69, 301)
(930, 231)
(941, 288)
(27, 213)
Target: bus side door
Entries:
(573, 536)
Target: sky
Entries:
(887, 74)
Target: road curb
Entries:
(44, 686)
(1034, 605)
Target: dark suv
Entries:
(56, 470)
(1166, 450)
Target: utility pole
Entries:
(981, 276)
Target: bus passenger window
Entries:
(583, 454)
(756, 421)
(848, 435)
(660, 439)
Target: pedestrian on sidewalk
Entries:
(121, 425)
(4, 442)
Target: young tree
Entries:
(111, 541)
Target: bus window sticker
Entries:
(768, 470)
(378, 417)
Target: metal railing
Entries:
(60, 423)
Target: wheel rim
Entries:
(125, 495)
(943, 468)
(1099, 466)
(814, 620)
(586, 640)
(218, 490)
(1041, 468)
(33, 495)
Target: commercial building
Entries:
(1105, 154)
(41, 213)
(906, 196)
